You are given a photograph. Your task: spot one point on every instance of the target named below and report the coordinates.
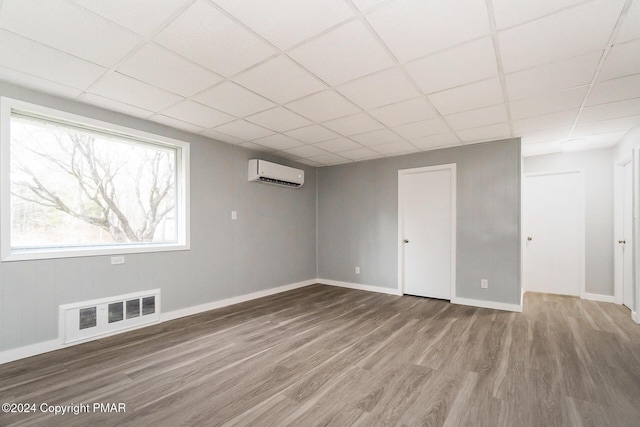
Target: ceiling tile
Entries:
(549, 103)
(112, 105)
(305, 151)
(197, 114)
(141, 16)
(615, 90)
(612, 110)
(558, 134)
(592, 141)
(285, 155)
(360, 154)
(436, 141)
(377, 137)
(230, 48)
(509, 12)
(37, 83)
(395, 148)
(255, 147)
(281, 80)
(133, 92)
(468, 97)
(329, 159)
(323, 106)
(175, 123)
(404, 112)
(485, 133)
(579, 30)
(33, 58)
(457, 66)
(622, 60)
(310, 163)
(144, 65)
(345, 53)
(48, 22)
(554, 77)
(605, 126)
(422, 128)
(243, 130)
(288, 22)
(233, 99)
(337, 145)
(214, 134)
(381, 88)
(312, 134)
(352, 125)
(279, 119)
(366, 4)
(278, 142)
(630, 28)
(412, 28)
(545, 121)
(479, 117)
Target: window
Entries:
(73, 186)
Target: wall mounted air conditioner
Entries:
(273, 173)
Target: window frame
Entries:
(10, 105)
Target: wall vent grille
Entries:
(87, 320)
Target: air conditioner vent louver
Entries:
(275, 174)
(278, 182)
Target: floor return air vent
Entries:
(87, 320)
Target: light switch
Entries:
(234, 215)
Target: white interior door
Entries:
(427, 230)
(554, 224)
(626, 240)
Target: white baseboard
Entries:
(487, 304)
(358, 286)
(47, 346)
(599, 297)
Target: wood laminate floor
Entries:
(323, 355)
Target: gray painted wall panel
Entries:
(271, 244)
(358, 219)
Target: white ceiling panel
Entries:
(144, 17)
(622, 60)
(222, 137)
(347, 52)
(615, 90)
(48, 22)
(256, 147)
(605, 126)
(422, 128)
(549, 103)
(485, 133)
(112, 105)
(35, 59)
(198, 114)
(630, 28)
(281, 80)
(403, 25)
(175, 123)
(145, 65)
(286, 23)
(480, 117)
(278, 142)
(233, 99)
(396, 148)
(27, 80)
(509, 13)
(305, 151)
(434, 141)
(310, 163)
(323, 106)
(554, 77)
(468, 97)
(352, 125)
(312, 134)
(464, 64)
(210, 38)
(612, 110)
(363, 5)
(377, 137)
(360, 154)
(575, 31)
(133, 92)
(545, 121)
(378, 89)
(244, 130)
(404, 112)
(557, 134)
(329, 159)
(337, 145)
(279, 119)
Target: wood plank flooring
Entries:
(323, 355)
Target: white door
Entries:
(427, 230)
(626, 240)
(554, 229)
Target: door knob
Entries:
(529, 238)
(622, 241)
(406, 241)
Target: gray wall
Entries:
(271, 244)
(598, 171)
(358, 219)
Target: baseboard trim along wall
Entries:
(487, 304)
(599, 297)
(358, 286)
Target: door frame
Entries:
(618, 218)
(583, 258)
(402, 173)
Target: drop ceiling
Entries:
(333, 81)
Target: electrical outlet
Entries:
(357, 270)
(234, 215)
(117, 260)
(484, 283)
